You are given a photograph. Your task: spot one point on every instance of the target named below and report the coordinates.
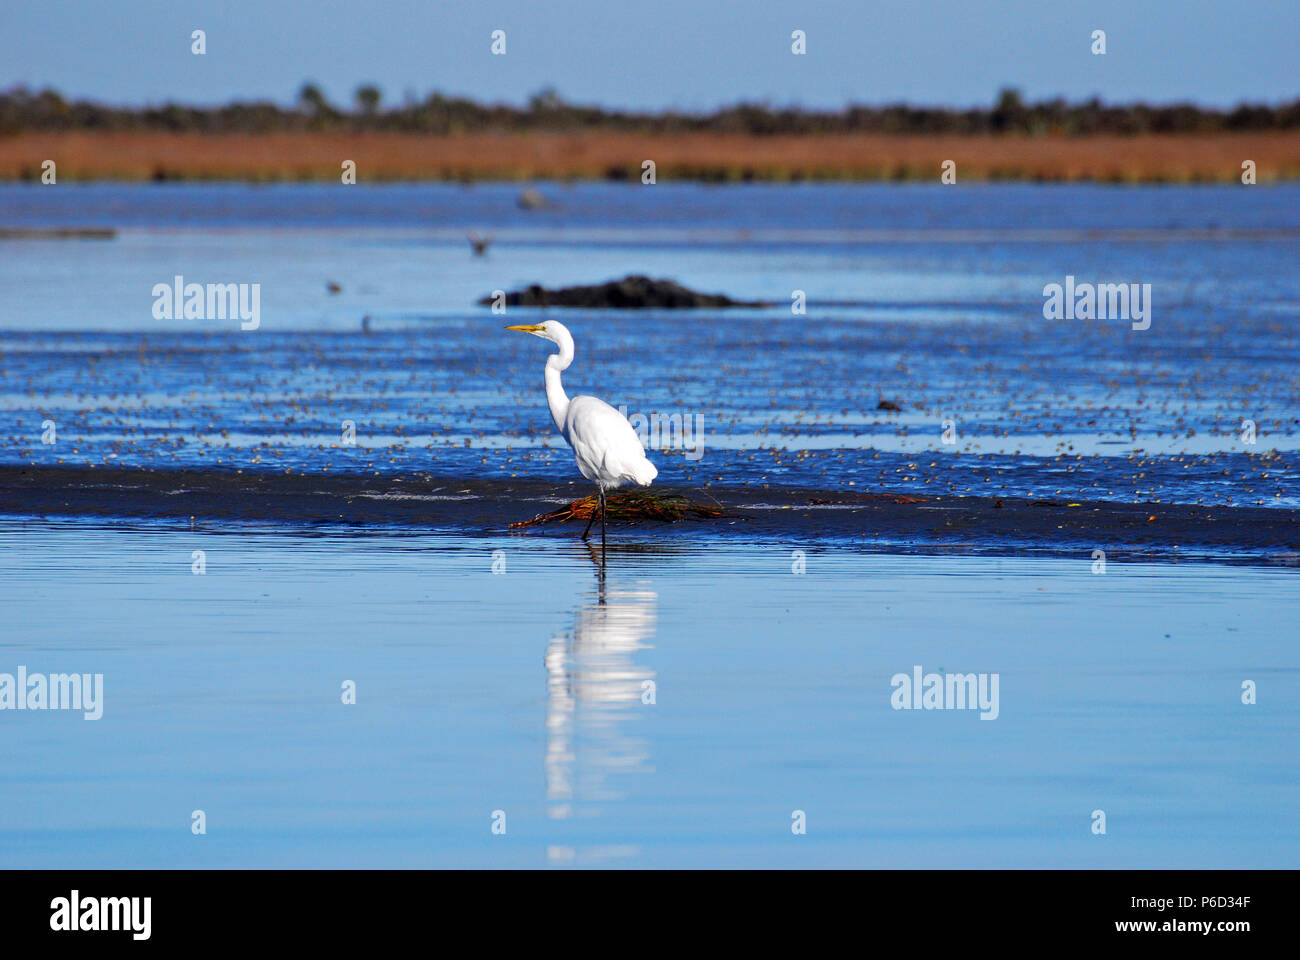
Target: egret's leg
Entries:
(602, 521)
(590, 521)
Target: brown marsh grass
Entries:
(708, 157)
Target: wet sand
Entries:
(799, 516)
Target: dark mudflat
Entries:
(795, 516)
(630, 293)
(57, 233)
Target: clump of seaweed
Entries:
(632, 507)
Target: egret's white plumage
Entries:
(608, 451)
(606, 448)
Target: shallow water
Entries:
(926, 296)
(523, 692)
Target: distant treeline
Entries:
(23, 111)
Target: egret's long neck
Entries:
(556, 398)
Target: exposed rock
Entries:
(889, 405)
(630, 293)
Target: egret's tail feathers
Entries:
(645, 473)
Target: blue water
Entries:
(926, 296)
(523, 692)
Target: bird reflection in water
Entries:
(594, 689)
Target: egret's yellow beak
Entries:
(528, 328)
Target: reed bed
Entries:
(606, 155)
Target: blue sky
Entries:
(691, 54)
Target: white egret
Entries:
(608, 451)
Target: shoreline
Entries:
(795, 516)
